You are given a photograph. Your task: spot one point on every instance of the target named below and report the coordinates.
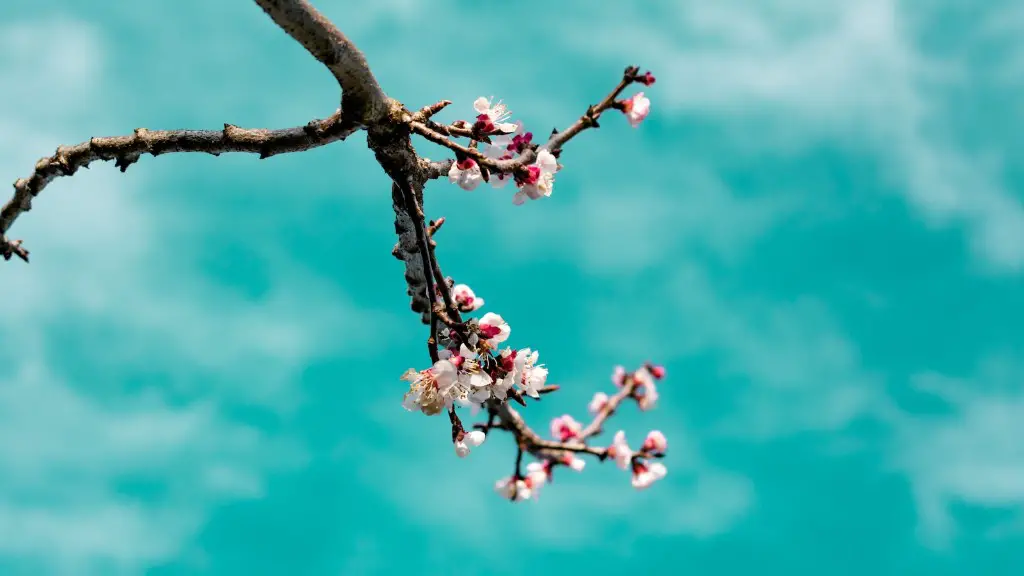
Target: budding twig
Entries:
(542, 448)
(437, 134)
(424, 114)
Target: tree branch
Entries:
(438, 133)
(423, 242)
(510, 419)
(126, 150)
(435, 170)
(389, 126)
(362, 97)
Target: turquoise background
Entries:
(818, 230)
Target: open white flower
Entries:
(514, 489)
(655, 442)
(636, 109)
(597, 403)
(494, 329)
(530, 376)
(492, 117)
(565, 428)
(646, 389)
(466, 299)
(466, 174)
(430, 389)
(646, 474)
(574, 462)
(469, 441)
(541, 179)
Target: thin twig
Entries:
(424, 114)
(542, 448)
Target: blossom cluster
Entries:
(507, 141)
(572, 434)
(472, 367)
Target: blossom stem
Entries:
(517, 473)
(457, 427)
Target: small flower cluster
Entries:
(645, 473)
(506, 141)
(645, 391)
(527, 486)
(566, 430)
(471, 369)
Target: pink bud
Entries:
(619, 376)
(655, 442)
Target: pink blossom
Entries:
(565, 428)
(491, 117)
(636, 108)
(508, 358)
(645, 474)
(515, 488)
(620, 451)
(494, 329)
(506, 142)
(646, 391)
(597, 403)
(540, 179)
(531, 376)
(465, 299)
(466, 173)
(656, 370)
(499, 179)
(520, 142)
(539, 473)
(619, 376)
(655, 442)
(574, 462)
(430, 390)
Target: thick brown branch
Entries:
(407, 250)
(126, 150)
(362, 97)
(423, 241)
(393, 149)
(435, 170)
